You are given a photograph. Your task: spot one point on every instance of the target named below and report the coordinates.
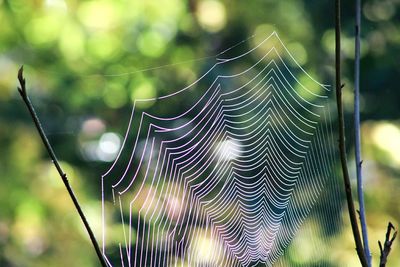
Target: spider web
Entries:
(231, 179)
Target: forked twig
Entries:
(387, 246)
(63, 175)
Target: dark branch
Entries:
(22, 91)
(342, 145)
(385, 250)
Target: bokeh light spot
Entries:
(56, 4)
(109, 145)
(151, 43)
(145, 90)
(72, 41)
(211, 15)
(386, 137)
(99, 15)
(92, 127)
(104, 46)
(261, 32)
(307, 88)
(379, 10)
(115, 96)
(45, 29)
(299, 53)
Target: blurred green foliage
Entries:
(75, 54)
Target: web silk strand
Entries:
(230, 180)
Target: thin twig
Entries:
(63, 175)
(360, 191)
(388, 245)
(342, 145)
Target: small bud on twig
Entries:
(21, 79)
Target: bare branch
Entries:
(385, 250)
(357, 132)
(22, 91)
(342, 144)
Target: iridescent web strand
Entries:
(229, 181)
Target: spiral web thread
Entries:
(230, 180)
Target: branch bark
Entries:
(342, 145)
(63, 175)
(385, 250)
(357, 139)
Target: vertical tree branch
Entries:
(342, 145)
(24, 95)
(360, 192)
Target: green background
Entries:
(85, 62)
